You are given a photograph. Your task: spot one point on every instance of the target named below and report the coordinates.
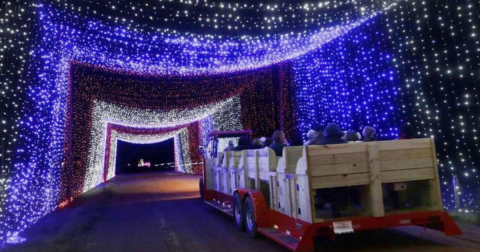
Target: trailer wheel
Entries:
(202, 189)
(250, 223)
(238, 215)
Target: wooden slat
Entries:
(405, 154)
(263, 160)
(238, 153)
(436, 192)
(390, 165)
(350, 158)
(316, 150)
(375, 182)
(291, 168)
(293, 159)
(263, 167)
(339, 181)
(408, 175)
(320, 160)
(339, 169)
(263, 152)
(404, 144)
(291, 155)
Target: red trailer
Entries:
(277, 197)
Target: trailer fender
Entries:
(449, 226)
(259, 203)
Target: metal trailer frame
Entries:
(298, 236)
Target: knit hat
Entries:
(332, 129)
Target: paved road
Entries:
(162, 212)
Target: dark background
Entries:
(157, 153)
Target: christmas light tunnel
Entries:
(75, 79)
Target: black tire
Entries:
(250, 223)
(202, 189)
(238, 216)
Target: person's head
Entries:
(351, 136)
(311, 134)
(296, 139)
(262, 139)
(368, 132)
(230, 144)
(278, 136)
(268, 141)
(406, 131)
(317, 128)
(243, 141)
(256, 142)
(333, 131)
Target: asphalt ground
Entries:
(163, 212)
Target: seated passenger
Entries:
(406, 131)
(242, 144)
(277, 145)
(263, 139)
(332, 135)
(336, 196)
(268, 142)
(314, 136)
(230, 147)
(351, 136)
(296, 139)
(311, 134)
(256, 144)
(319, 134)
(369, 134)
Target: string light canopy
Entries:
(137, 136)
(105, 114)
(116, 47)
(225, 20)
(102, 96)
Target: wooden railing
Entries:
(290, 183)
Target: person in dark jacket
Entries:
(351, 136)
(318, 134)
(268, 142)
(296, 139)
(336, 196)
(406, 131)
(242, 144)
(277, 145)
(332, 135)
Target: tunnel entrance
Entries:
(140, 158)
